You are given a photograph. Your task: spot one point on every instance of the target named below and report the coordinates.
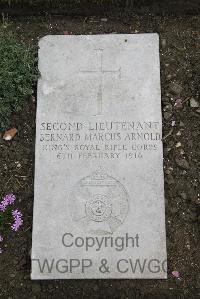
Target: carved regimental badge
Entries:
(99, 203)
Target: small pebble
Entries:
(178, 144)
(183, 195)
(178, 103)
(173, 123)
(182, 163)
(163, 43)
(175, 88)
(194, 103)
(167, 115)
(104, 19)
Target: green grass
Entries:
(18, 73)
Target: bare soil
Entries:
(180, 56)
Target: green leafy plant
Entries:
(18, 73)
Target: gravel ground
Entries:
(180, 70)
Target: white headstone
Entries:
(99, 198)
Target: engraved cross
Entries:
(101, 72)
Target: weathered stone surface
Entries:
(99, 198)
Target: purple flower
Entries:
(17, 215)
(1, 251)
(7, 200)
